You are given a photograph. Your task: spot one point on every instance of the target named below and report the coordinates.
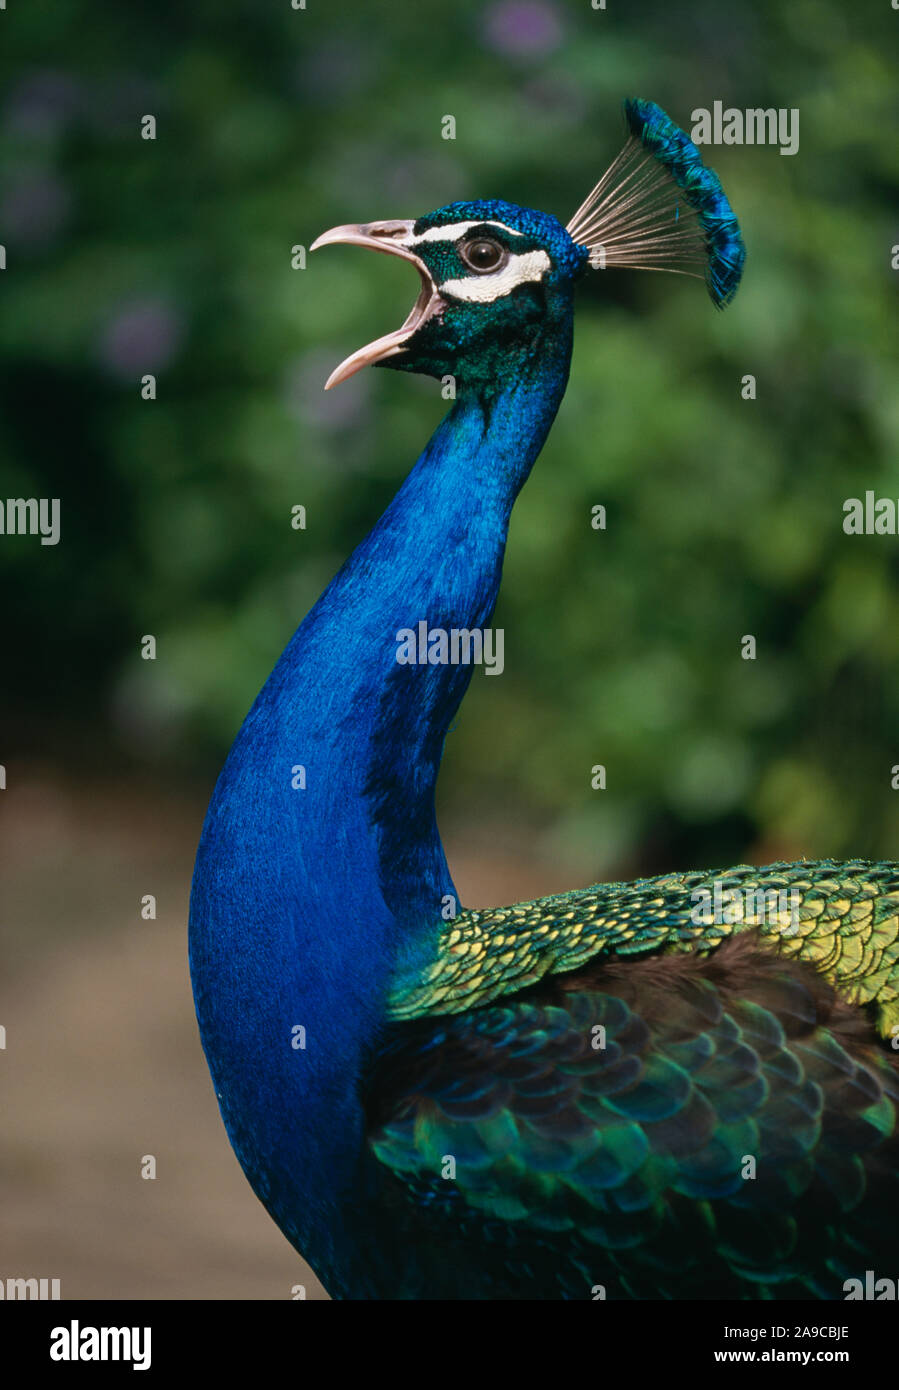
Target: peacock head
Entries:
(496, 278)
(493, 277)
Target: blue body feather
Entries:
(306, 903)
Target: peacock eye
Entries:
(482, 255)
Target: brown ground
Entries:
(103, 1063)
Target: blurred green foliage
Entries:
(623, 646)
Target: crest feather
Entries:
(657, 207)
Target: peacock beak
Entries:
(394, 239)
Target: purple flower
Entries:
(307, 400)
(556, 97)
(43, 103)
(34, 209)
(336, 71)
(142, 337)
(522, 28)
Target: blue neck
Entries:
(306, 900)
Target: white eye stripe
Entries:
(456, 230)
(483, 289)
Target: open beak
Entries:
(392, 238)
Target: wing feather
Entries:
(693, 1126)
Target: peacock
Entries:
(625, 1091)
